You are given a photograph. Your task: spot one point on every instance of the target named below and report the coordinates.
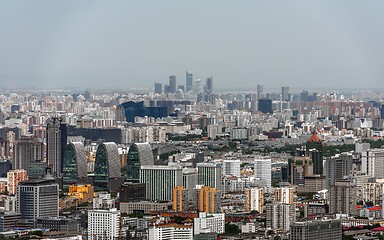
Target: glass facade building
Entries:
(107, 165)
(75, 164)
(139, 154)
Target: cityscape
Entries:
(191, 120)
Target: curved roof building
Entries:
(139, 154)
(74, 164)
(107, 164)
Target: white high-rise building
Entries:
(160, 181)
(263, 172)
(254, 199)
(280, 215)
(231, 167)
(103, 224)
(209, 223)
(170, 232)
(373, 161)
(209, 174)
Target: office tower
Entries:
(207, 199)
(139, 154)
(304, 96)
(9, 221)
(137, 109)
(283, 195)
(280, 215)
(75, 164)
(56, 144)
(209, 223)
(318, 229)
(265, 105)
(315, 150)
(382, 112)
(343, 197)
(299, 167)
(254, 199)
(160, 181)
(158, 88)
(263, 172)
(132, 192)
(172, 84)
(260, 89)
(189, 181)
(180, 199)
(337, 167)
(372, 162)
(107, 165)
(231, 167)
(209, 174)
(26, 150)
(285, 96)
(188, 81)
(37, 198)
(14, 177)
(209, 85)
(103, 224)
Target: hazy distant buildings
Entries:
(285, 96)
(209, 85)
(158, 88)
(265, 105)
(172, 84)
(188, 81)
(137, 109)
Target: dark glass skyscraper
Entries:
(209, 85)
(188, 81)
(56, 144)
(172, 84)
(107, 165)
(265, 105)
(139, 154)
(75, 164)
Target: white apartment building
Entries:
(263, 171)
(170, 231)
(103, 224)
(209, 223)
(231, 167)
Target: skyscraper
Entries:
(75, 164)
(158, 88)
(263, 172)
(209, 174)
(188, 81)
(107, 165)
(260, 89)
(265, 105)
(26, 150)
(172, 84)
(56, 144)
(254, 199)
(209, 85)
(207, 199)
(139, 154)
(285, 96)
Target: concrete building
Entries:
(284, 195)
(180, 199)
(37, 198)
(56, 143)
(209, 223)
(103, 224)
(9, 220)
(343, 197)
(167, 177)
(103, 201)
(26, 150)
(231, 167)
(144, 206)
(209, 174)
(337, 167)
(170, 231)
(263, 172)
(320, 229)
(14, 177)
(207, 199)
(190, 181)
(280, 215)
(61, 224)
(132, 192)
(254, 200)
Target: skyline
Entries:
(128, 44)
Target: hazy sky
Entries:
(132, 44)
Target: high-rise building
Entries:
(260, 89)
(14, 177)
(103, 224)
(314, 149)
(285, 96)
(209, 85)
(179, 199)
(304, 96)
(343, 197)
(318, 229)
(299, 167)
(209, 174)
(26, 150)
(56, 144)
(172, 84)
(158, 88)
(263, 172)
(189, 181)
(283, 195)
(373, 161)
(75, 164)
(155, 176)
(231, 167)
(382, 112)
(139, 154)
(207, 199)
(254, 199)
(37, 198)
(265, 105)
(337, 167)
(132, 192)
(107, 165)
(280, 215)
(188, 81)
